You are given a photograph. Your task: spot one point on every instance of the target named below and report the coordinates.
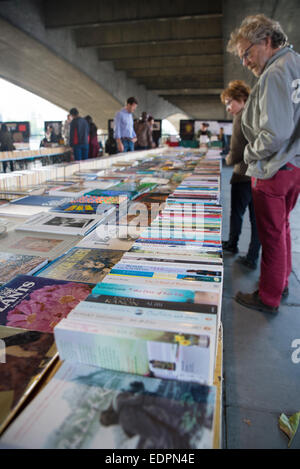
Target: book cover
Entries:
(106, 239)
(26, 356)
(84, 207)
(44, 244)
(153, 296)
(41, 200)
(62, 223)
(38, 303)
(14, 264)
(82, 265)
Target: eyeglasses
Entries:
(227, 103)
(246, 54)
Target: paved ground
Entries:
(260, 379)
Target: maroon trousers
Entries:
(274, 199)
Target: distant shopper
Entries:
(143, 133)
(93, 138)
(234, 97)
(124, 127)
(111, 146)
(271, 123)
(6, 144)
(66, 130)
(79, 136)
(204, 134)
(156, 140)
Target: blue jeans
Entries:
(127, 144)
(81, 152)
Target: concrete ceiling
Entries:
(174, 48)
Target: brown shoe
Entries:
(253, 301)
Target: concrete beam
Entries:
(181, 82)
(200, 107)
(169, 62)
(189, 91)
(214, 73)
(149, 31)
(70, 13)
(173, 49)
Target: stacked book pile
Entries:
(131, 300)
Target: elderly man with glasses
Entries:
(271, 125)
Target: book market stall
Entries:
(110, 303)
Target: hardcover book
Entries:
(62, 223)
(14, 264)
(38, 303)
(25, 358)
(42, 244)
(82, 265)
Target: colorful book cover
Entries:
(14, 264)
(155, 297)
(82, 265)
(38, 303)
(85, 208)
(89, 198)
(26, 356)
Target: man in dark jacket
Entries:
(79, 135)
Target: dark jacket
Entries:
(79, 132)
(6, 141)
(236, 153)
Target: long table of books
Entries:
(111, 280)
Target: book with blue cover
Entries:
(41, 200)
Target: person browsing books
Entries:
(234, 97)
(270, 123)
(124, 132)
(79, 135)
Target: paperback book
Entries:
(179, 351)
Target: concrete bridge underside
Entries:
(94, 54)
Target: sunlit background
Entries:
(17, 104)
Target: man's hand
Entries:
(134, 139)
(120, 146)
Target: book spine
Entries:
(156, 304)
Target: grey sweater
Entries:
(271, 118)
